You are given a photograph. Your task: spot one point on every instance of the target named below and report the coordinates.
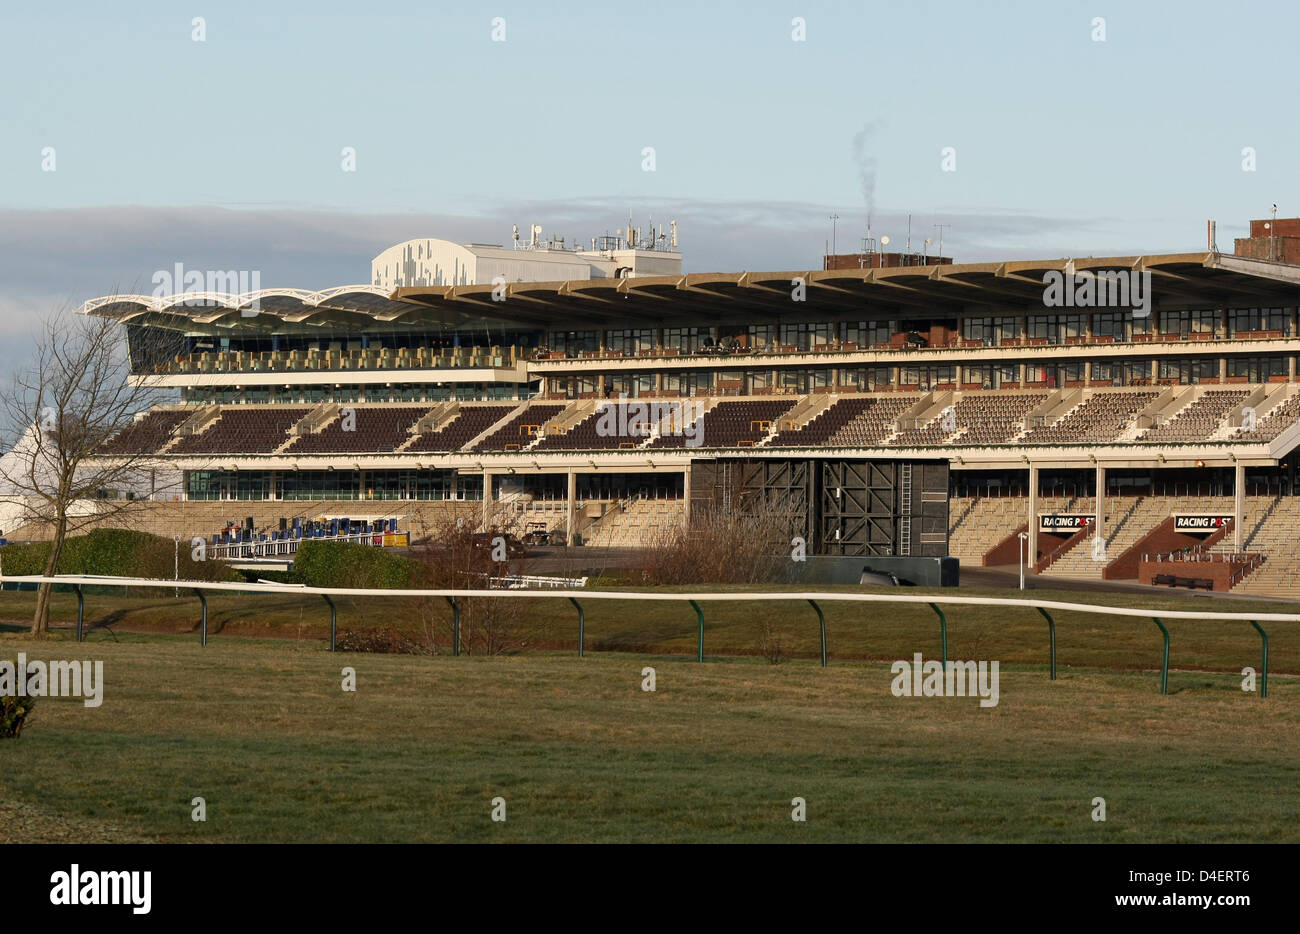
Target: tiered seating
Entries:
(242, 430)
(1201, 419)
(873, 425)
(819, 430)
(1102, 418)
(731, 424)
(513, 433)
(587, 434)
(994, 418)
(982, 522)
(1273, 423)
(375, 428)
(1271, 524)
(1128, 518)
(636, 523)
(146, 435)
(470, 422)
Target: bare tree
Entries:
(456, 558)
(75, 395)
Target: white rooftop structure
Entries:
(430, 262)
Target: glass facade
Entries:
(332, 485)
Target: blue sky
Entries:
(226, 153)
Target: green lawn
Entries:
(261, 730)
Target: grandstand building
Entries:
(1150, 408)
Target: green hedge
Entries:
(345, 564)
(118, 552)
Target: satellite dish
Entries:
(884, 241)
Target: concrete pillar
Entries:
(1087, 370)
(959, 375)
(487, 497)
(1238, 503)
(1290, 368)
(1099, 500)
(1032, 550)
(569, 504)
(1223, 369)
(686, 495)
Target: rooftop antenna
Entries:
(941, 227)
(1272, 232)
(834, 243)
(672, 225)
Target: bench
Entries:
(1164, 580)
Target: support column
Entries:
(1238, 503)
(1223, 369)
(1099, 500)
(1032, 557)
(569, 514)
(487, 497)
(686, 495)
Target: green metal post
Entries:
(1263, 667)
(334, 621)
(1051, 630)
(943, 634)
(1164, 664)
(581, 624)
(699, 645)
(203, 620)
(455, 626)
(821, 619)
(81, 611)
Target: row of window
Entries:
(332, 485)
(1186, 370)
(992, 330)
(405, 392)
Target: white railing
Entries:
(654, 596)
(271, 549)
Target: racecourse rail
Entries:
(77, 582)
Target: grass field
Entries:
(260, 728)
